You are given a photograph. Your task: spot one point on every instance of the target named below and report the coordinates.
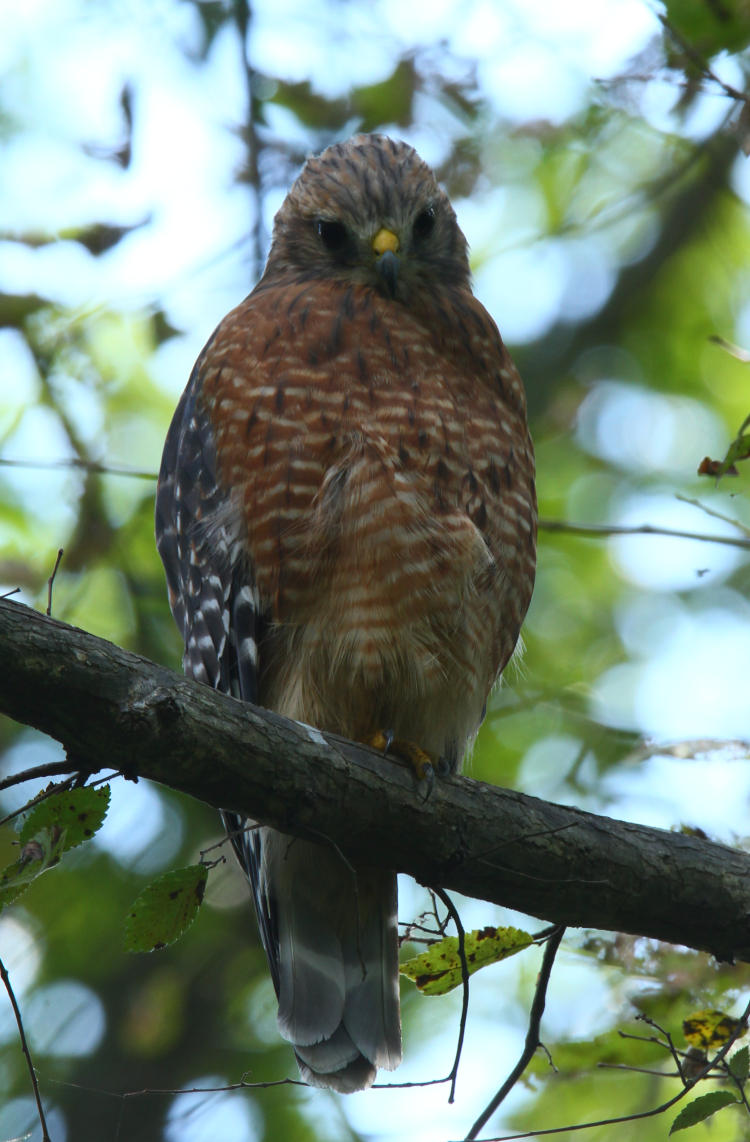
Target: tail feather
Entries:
(337, 958)
(357, 1075)
(371, 1011)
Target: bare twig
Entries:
(43, 795)
(51, 580)
(604, 529)
(243, 1084)
(83, 465)
(242, 14)
(653, 1112)
(465, 983)
(697, 59)
(569, 527)
(25, 1048)
(49, 769)
(712, 512)
(532, 1035)
(644, 1071)
(667, 1042)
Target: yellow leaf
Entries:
(709, 1028)
(438, 970)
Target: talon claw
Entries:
(443, 767)
(418, 758)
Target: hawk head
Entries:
(370, 212)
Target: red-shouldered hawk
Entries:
(347, 519)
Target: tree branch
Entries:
(114, 709)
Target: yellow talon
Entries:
(418, 758)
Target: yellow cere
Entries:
(385, 240)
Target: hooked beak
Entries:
(386, 245)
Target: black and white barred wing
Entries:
(212, 595)
(198, 536)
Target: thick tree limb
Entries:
(113, 709)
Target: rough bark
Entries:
(113, 709)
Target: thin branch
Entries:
(25, 1048)
(604, 529)
(532, 1035)
(645, 1071)
(712, 512)
(82, 465)
(636, 1117)
(49, 769)
(698, 60)
(668, 1041)
(242, 15)
(591, 530)
(465, 984)
(591, 1125)
(243, 1084)
(51, 580)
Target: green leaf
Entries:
(165, 909)
(79, 813)
(51, 828)
(438, 970)
(37, 855)
(709, 28)
(702, 1108)
(739, 1064)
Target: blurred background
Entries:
(595, 156)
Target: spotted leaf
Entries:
(438, 970)
(165, 909)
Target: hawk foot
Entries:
(418, 759)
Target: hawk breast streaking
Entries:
(347, 519)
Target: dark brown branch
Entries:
(115, 710)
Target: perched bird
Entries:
(347, 519)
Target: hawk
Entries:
(347, 519)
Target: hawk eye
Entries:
(424, 223)
(332, 234)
